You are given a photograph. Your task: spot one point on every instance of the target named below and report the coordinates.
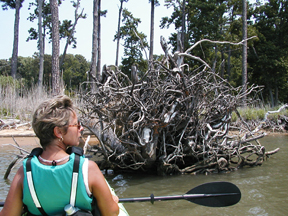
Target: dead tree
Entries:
(173, 121)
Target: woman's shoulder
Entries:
(20, 171)
(92, 165)
(19, 176)
(94, 172)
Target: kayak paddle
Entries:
(212, 194)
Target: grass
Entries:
(18, 105)
(17, 102)
(258, 114)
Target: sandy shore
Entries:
(25, 136)
(22, 135)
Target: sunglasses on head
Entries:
(78, 125)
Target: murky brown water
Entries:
(263, 188)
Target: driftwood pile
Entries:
(171, 120)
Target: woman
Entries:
(56, 125)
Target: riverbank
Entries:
(25, 136)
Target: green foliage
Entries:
(222, 20)
(134, 43)
(74, 71)
(268, 58)
(8, 81)
(27, 69)
(46, 20)
(65, 27)
(10, 4)
(5, 67)
(65, 31)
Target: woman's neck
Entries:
(53, 155)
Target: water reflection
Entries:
(263, 188)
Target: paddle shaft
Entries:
(212, 194)
(163, 198)
(167, 198)
(189, 197)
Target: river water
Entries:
(263, 188)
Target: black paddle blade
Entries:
(214, 194)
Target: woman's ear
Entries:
(57, 132)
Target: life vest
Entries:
(57, 186)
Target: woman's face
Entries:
(71, 138)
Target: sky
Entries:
(139, 8)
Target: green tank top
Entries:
(53, 185)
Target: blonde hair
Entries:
(49, 114)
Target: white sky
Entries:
(140, 9)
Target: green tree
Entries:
(74, 71)
(134, 43)
(268, 58)
(5, 67)
(47, 78)
(204, 20)
(217, 20)
(67, 29)
(28, 69)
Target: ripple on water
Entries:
(255, 193)
(258, 211)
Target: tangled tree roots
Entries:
(171, 121)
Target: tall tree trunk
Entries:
(99, 75)
(118, 31)
(244, 50)
(94, 43)
(41, 45)
(15, 42)
(229, 64)
(152, 32)
(183, 26)
(276, 95)
(271, 95)
(222, 63)
(215, 59)
(229, 50)
(55, 47)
